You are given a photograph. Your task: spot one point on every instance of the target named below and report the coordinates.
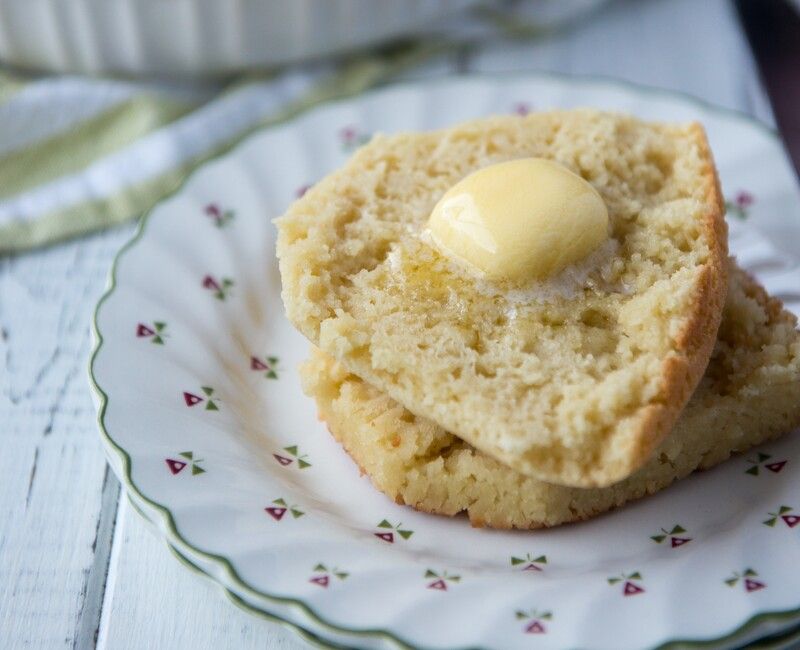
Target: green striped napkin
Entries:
(78, 155)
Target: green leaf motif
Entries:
(635, 576)
(658, 538)
(296, 513)
(292, 450)
(211, 406)
(196, 469)
(770, 522)
(613, 581)
(752, 471)
(431, 574)
(160, 325)
(157, 340)
(521, 615)
(207, 390)
(384, 524)
(677, 529)
(280, 502)
(405, 534)
(542, 559)
(320, 567)
(516, 560)
(303, 463)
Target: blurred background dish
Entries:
(207, 38)
(200, 37)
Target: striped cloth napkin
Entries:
(79, 154)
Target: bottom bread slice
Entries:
(750, 394)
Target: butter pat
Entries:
(520, 220)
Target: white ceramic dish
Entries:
(200, 37)
(205, 423)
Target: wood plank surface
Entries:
(58, 499)
(149, 582)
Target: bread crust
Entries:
(681, 374)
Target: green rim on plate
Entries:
(306, 635)
(167, 518)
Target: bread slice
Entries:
(749, 394)
(575, 380)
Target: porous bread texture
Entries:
(577, 389)
(750, 393)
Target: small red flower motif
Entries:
(348, 134)
(760, 460)
(280, 507)
(748, 580)
(387, 534)
(219, 216)
(219, 288)
(211, 400)
(739, 206)
(267, 365)
(350, 138)
(784, 514)
(294, 454)
(156, 333)
(629, 580)
(534, 620)
(324, 574)
(522, 109)
(675, 535)
(440, 580)
(177, 466)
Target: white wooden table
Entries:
(78, 567)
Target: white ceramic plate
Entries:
(203, 37)
(206, 426)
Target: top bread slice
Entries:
(575, 387)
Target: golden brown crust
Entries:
(681, 374)
(569, 516)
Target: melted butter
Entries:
(521, 220)
(418, 271)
